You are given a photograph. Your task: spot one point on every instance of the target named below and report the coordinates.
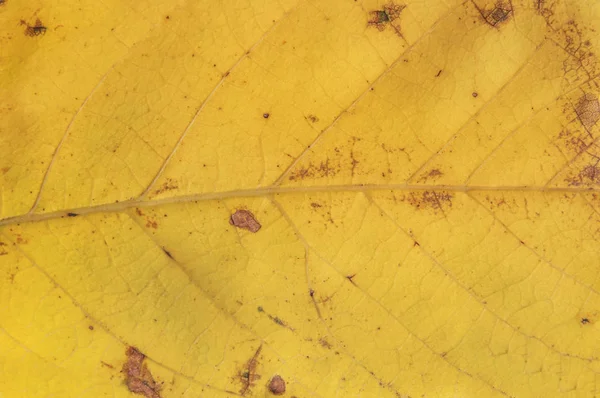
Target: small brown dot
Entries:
(91, 327)
(474, 94)
(266, 115)
(277, 385)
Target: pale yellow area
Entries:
(425, 176)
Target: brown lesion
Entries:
(432, 174)
(277, 385)
(248, 376)
(435, 200)
(494, 14)
(588, 175)
(245, 219)
(169, 185)
(387, 16)
(588, 110)
(323, 169)
(138, 378)
(36, 29)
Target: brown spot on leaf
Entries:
(590, 174)
(588, 110)
(138, 378)
(91, 327)
(150, 223)
(72, 214)
(277, 385)
(266, 115)
(312, 118)
(168, 185)
(248, 376)
(36, 29)
(494, 14)
(108, 365)
(5, 170)
(324, 343)
(244, 219)
(315, 205)
(474, 94)
(323, 169)
(168, 253)
(139, 211)
(386, 17)
(429, 199)
(432, 174)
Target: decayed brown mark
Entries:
(590, 174)
(432, 174)
(277, 385)
(382, 18)
(168, 185)
(323, 169)
(276, 319)
(495, 16)
(248, 376)
(138, 378)
(429, 199)
(244, 219)
(588, 110)
(3, 251)
(34, 30)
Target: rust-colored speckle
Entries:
(277, 385)
(312, 118)
(168, 185)
(433, 174)
(315, 205)
(244, 219)
(138, 378)
(474, 94)
(20, 240)
(387, 16)
(36, 29)
(266, 115)
(91, 327)
(588, 110)
(139, 211)
(590, 174)
(248, 375)
(324, 343)
(5, 169)
(323, 169)
(150, 223)
(428, 199)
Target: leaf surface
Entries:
(341, 198)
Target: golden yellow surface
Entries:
(426, 175)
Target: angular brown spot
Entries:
(431, 175)
(428, 199)
(34, 30)
(248, 376)
(324, 343)
(590, 174)
(324, 169)
(382, 18)
(588, 110)
(168, 185)
(244, 219)
(138, 378)
(494, 13)
(312, 118)
(277, 385)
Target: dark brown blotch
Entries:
(386, 17)
(277, 385)
(36, 29)
(138, 378)
(244, 219)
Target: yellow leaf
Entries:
(332, 199)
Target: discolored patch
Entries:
(386, 17)
(312, 118)
(323, 169)
(324, 343)
(590, 174)
(494, 13)
(36, 29)
(245, 220)
(138, 378)
(72, 214)
(433, 174)
(428, 200)
(588, 110)
(248, 375)
(277, 385)
(3, 251)
(168, 185)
